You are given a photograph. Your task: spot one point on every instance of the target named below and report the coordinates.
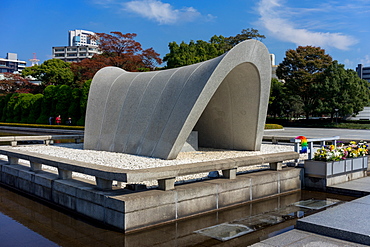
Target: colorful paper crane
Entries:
(304, 144)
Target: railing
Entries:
(165, 176)
(46, 139)
(311, 141)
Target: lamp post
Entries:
(336, 113)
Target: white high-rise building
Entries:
(80, 37)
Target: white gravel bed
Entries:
(127, 161)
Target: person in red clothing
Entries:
(58, 120)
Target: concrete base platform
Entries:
(131, 210)
(300, 238)
(349, 221)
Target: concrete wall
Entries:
(128, 210)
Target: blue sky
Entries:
(340, 27)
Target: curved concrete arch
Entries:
(152, 113)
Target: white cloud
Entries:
(163, 13)
(156, 10)
(365, 60)
(104, 3)
(275, 18)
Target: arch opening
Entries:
(229, 119)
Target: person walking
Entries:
(69, 121)
(58, 120)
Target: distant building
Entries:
(273, 66)
(74, 53)
(81, 37)
(363, 72)
(11, 64)
(362, 115)
(80, 46)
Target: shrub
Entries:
(35, 111)
(273, 126)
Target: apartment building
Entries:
(363, 72)
(11, 64)
(74, 53)
(80, 46)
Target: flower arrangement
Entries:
(341, 151)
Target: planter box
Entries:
(319, 174)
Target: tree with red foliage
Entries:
(117, 49)
(15, 83)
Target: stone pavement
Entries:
(347, 224)
(348, 134)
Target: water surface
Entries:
(27, 222)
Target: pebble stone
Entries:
(128, 161)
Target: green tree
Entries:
(194, 52)
(48, 104)
(83, 101)
(185, 54)
(35, 111)
(74, 108)
(63, 99)
(301, 70)
(249, 33)
(22, 107)
(10, 114)
(343, 90)
(51, 72)
(4, 103)
(277, 100)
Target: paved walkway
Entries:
(348, 134)
(40, 131)
(347, 224)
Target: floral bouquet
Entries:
(341, 151)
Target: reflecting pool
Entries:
(27, 222)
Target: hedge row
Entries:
(273, 126)
(38, 108)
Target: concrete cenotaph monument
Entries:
(153, 113)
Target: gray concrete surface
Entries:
(349, 134)
(298, 238)
(348, 221)
(362, 185)
(343, 225)
(225, 99)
